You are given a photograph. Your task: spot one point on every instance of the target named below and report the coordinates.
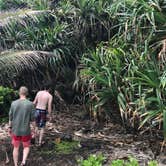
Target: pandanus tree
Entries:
(130, 69)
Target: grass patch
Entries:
(66, 147)
(63, 147)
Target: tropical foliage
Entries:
(114, 52)
(131, 162)
(97, 160)
(93, 160)
(130, 68)
(6, 97)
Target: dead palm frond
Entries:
(12, 64)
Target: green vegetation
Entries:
(152, 163)
(97, 160)
(38, 4)
(7, 95)
(66, 147)
(35, 4)
(93, 160)
(131, 162)
(62, 147)
(6, 4)
(114, 52)
(44, 36)
(129, 69)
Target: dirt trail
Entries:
(111, 140)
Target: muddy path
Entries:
(69, 137)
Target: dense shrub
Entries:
(130, 70)
(6, 97)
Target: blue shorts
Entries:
(41, 117)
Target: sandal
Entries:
(7, 159)
(40, 144)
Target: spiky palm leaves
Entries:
(144, 31)
(13, 4)
(139, 22)
(89, 19)
(143, 94)
(40, 30)
(30, 30)
(35, 30)
(34, 4)
(137, 85)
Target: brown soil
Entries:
(111, 140)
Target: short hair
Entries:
(23, 91)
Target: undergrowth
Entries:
(66, 147)
(98, 160)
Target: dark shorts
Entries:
(40, 118)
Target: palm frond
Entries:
(21, 15)
(30, 30)
(14, 63)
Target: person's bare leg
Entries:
(41, 136)
(25, 154)
(37, 135)
(15, 155)
(7, 158)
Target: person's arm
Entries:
(50, 105)
(10, 119)
(32, 118)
